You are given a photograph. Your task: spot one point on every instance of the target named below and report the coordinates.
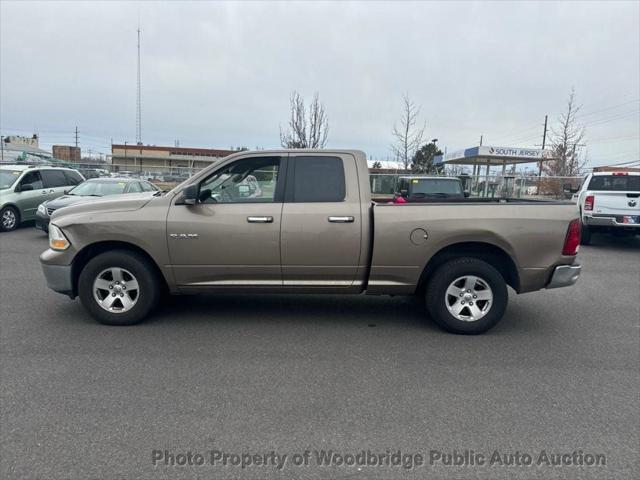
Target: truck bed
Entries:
(407, 236)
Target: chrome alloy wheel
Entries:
(116, 290)
(469, 298)
(9, 219)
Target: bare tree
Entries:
(567, 142)
(407, 133)
(298, 135)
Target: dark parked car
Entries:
(93, 188)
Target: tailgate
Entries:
(616, 203)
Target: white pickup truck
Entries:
(609, 202)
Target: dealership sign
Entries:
(484, 153)
(533, 153)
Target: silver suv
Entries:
(24, 187)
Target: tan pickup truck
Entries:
(302, 221)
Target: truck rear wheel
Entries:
(119, 287)
(467, 296)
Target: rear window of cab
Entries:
(615, 183)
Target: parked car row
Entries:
(90, 190)
(34, 192)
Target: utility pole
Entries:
(76, 136)
(2, 148)
(139, 102)
(544, 140)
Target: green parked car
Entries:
(24, 187)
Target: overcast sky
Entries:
(220, 74)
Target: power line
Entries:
(612, 118)
(593, 112)
(517, 133)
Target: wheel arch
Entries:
(14, 206)
(488, 252)
(94, 249)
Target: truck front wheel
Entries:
(467, 296)
(119, 287)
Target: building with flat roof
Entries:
(67, 153)
(152, 157)
(18, 140)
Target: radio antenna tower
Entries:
(139, 102)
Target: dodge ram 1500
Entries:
(294, 221)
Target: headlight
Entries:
(57, 240)
(42, 209)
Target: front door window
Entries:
(251, 180)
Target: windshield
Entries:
(8, 178)
(99, 188)
(615, 183)
(435, 186)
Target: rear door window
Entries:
(318, 179)
(53, 178)
(615, 183)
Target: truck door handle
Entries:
(260, 219)
(341, 219)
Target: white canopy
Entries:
(488, 155)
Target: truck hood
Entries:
(115, 203)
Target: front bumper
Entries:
(59, 278)
(42, 221)
(564, 276)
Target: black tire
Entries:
(445, 275)
(585, 235)
(147, 296)
(16, 215)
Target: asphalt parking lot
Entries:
(285, 374)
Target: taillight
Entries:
(588, 202)
(572, 240)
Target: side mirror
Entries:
(24, 188)
(466, 193)
(188, 196)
